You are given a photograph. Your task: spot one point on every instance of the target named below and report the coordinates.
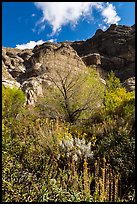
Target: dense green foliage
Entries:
(47, 160)
(12, 102)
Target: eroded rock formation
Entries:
(29, 68)
(116, 47)
(113, 49)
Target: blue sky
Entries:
(25, 24)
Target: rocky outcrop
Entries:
(49, 56)
(129, 84)
(30, 68)
(14, 62)
(116, 47)
(8, 80)
(46, 58)
(92, 59)
(113, 49)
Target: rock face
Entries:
(29, 68)
(92, 59)
(8, 80)
(116, 47)
(113, 49)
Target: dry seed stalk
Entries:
(97, 175)
(111, 186)
(74, 174)
(104, 179)
(100, 189)
(107, 182)
(116, 188)
(86, 178)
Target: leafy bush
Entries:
(12, 102)
(117, 99)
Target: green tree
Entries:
(72, 94)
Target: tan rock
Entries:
(92, 59)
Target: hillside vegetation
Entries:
(76, 144)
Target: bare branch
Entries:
(75, 92)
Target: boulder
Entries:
(129, 84)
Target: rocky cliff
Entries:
(28, 69)
(113, 49)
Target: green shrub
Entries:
(117, 100)
(13, 100)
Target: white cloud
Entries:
(52, 40)
(58, 14)
(30, 44)
(41, 29)
(110, 15)
(33, 14)
(101, 26)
